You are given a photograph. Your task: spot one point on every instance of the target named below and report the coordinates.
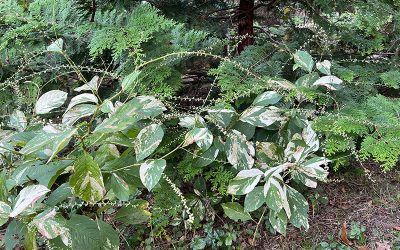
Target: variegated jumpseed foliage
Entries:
(98, 170)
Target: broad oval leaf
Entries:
(274, 194)
(235, 211)
(245, 181)
(267, 98)
(254, 200)
(330, 82)
(324, 67)
(303, 60)
(142, 107)
(18, 120)
(92, 85)
(48, 225)
(201, 136)
(119, 187)
(148, 140)
(78, 112)
(191, 122)
(278, 221)
(82, 98)
(151, 171)
(130, 80)
(261, 117)
(134, 214)
(49, 101)
(221, 116)
(87, 180)
(238, 152)
(27, 196)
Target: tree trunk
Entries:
(245, 27)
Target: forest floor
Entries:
(373, 202)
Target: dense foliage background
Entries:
(129, 123)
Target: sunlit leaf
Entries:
(267, 98)
(244, 182)
(235, 211)
(151, 172)
(49, 101)
(148, 140)
(27, 196)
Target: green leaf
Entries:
(238, 152)
(191, 122)
(148, 140)
(48, 225)
(274, 193)
(261, 116)
(267, 98)
(17, 120)
(49, 101)
(59, 195)
(221, 116)
(207, 157)
(254, 200)
(330, 82)
(82, 98)
(130, 80)
(278, 221)
(312, 168)
(85, 233)
(78, 112)
(235, 211)
(107, 106)
(298, 207)
(139, 108)
(151, 171)
(304, 60)
(307, 80)
(135, 213)
(92, 85)
(27, 196)
(47, 174)
(244, 182)
(5, 211)
(119, 187)
(324, 67)
(87, 181)
(201, 136)
(56, 46)
(15, 232)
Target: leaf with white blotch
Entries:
(119, 187)
(148, 140)
(151, 171)
(254, 200)
(303, 60)
(244, 182)
(330, 82)
(47, 224)
(27, 196)
(201, 136)
(17, 120)
(92, 85)
(82, 98)
(307, 80)
(274, 193)
(298, 207)
(134, 214)
(310, 138)
(107, 106)
(87, 180)
(53, 141)
(191, 122)
(49, 101)
(235, 211)
(78, 112)
(267, 98)
(130, 80)
(278, 221)
(238, 152)
(221, 116)
(56, 46)
(207, 157)
(5, 211)
(324, 67)
(312, 168)
(261, 116)
(139, 108)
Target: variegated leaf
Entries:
(238, 152)
(151, 171)
(49, 101)
(201, 136)
(27, 196)
(47, 225)
(244, 182)
(267, 98)
(148, 140)
(82, 98)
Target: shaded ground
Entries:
(352, 197)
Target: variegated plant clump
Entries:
(113, 149)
